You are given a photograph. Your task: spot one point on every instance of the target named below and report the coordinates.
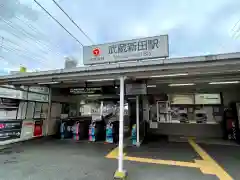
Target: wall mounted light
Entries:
(52, 82)
(151, 86)
(224, 82)
(186, 84)
(98, 80)
(170, 75)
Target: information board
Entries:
(10, 129)
(207, 99)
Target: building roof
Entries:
(196, 64)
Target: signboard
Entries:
(182, 99)
(10, 93)
(136, 89)
(86, 90)
(136, 49)
(207, 99)
(11, 103)
(44, 90)
(37, 97)
(10, 130)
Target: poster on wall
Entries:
(10, 130)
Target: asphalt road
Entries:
(66, 160)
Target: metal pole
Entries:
(148, 114)
(121, 124)
(101, 109)
(49, 109)
(158, 117)
(137, 119)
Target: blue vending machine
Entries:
(75, 131)
(91, 132)
(62, 130)
(134, 135)
(109, 133)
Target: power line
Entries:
(30, 35)
(43, 50)
(25, 56)
(10, 24)
(9, 62)
(73, 21)
(235, 25)
(21, 53)
(57, 21)
(35, 29)
(235, 34)
(19, 48)
(40, 33)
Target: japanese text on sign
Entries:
(141, 45)
(135, 49)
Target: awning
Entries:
(215, 66)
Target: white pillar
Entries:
(49, 109)
(137, 120)
(158, 117)
(121, 124)
(101, 109)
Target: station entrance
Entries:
(183, 98)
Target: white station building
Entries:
(175, 96)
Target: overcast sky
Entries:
(29, 37)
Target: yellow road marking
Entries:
(208, 165)
(114, 154)
(163, 162)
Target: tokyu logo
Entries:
(96, 52)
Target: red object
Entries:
(28, 124)
(229, 124)
(2, 126)
(96, 52)
(37, 129)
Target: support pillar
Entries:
(101, 109)
(137, 121)
(49, 109)
(120, 173)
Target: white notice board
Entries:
(207, 99)
(182, 99)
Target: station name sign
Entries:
(86, 90)
(136, 49)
